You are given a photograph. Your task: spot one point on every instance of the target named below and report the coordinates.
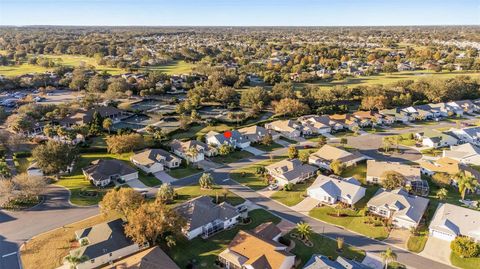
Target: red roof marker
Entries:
(227, 134)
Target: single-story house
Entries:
(465, 153)
(326, 154)
(319, 124)
(450, 221)
(182, 149)
(150, 258)
(468, 134)
(448, 166)
(86, 116)
(101, 172)
(397, 114)
(205, 218)
(331, 190)
(318, 261)
(104, 243)
(404, 209)
(256, 250)
(367, 118)
(155, 160)
(466, 105)
(236, 139)
(376, 171)
(256, 133)
(346, 120)
(435, 139)
(287, 128)
(290, 171)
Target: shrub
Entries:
(465, 247)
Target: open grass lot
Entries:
(325, 246)
(189, 192)
(182, 172)
(173, 68)
(205, 251)
(48, 249)
(17, 70)
(231, 157)
(295, 196)
(384, 78)
(248, 177)
(359, 172)
(465, 263)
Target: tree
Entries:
(192, 153)
(107, 123)
(76, 259)
(388, 256)
(54, 157)
(303, 156)
(95, 127)
(118, 85)
(7, 188)
(392, 180)
(465, 247)
(151, 220)
(290, 107)
(442, 193)
(304, 230)
(283, 90)
(224, 149)
(206, 181)
(465, 184)
(97, 84)
(29, 186)
(121, 201)
(441, 179)
(255, 97)
(337, 167)
(292, 152)
(124, 143)
(355, 129)
(322, 140)
(267, 140)
(166, 193)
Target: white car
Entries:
(272, 187)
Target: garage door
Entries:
(443, 236)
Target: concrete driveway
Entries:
(282, 142)
(437, 249)
(254, 151)
(208, 165)
(398, 238)
(164, 177)
(305, 205)
(137, 185)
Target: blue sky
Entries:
(239, 12)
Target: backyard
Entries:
(247, 175)
(359, 172)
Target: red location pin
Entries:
(227, 134)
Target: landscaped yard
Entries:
(293, 197)
(182, 172)
(267, 148)
(359, 172)
(407, 139)
(325, 246)
(205, 251)
(188, 192)
(47, 250)
(416, 243)
(248, 177)
(231, 157)
(432, 152)
(465, 263)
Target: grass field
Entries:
(173, 68)
(232, 157)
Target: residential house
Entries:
(155, 160)
(290, 171)
(287, 128)
(397, 115)
(450, 221)
(235, 139)
(86, 116)
(256, 133)
(466, 105)
(468, 135)
(465, 153)
(448, 166)
(436, 139)
(256, 250)
(441, 110)
(332, 190)
(319, 124)
(204, 218)
(368, 118)
(182, 149)
(405, 210)
(376, 171)
(104, 243)
(326, 154)
(318, 261)
(151, 258)
(346, 120)
(102, 172)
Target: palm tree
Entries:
(170, 241)
(107, 123)
(304, 230)
(388, 256)
(76, 259)
(465, 183)
(442, 193)
(192, 153)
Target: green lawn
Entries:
(359, 172)
(416, 243)
(268, 148)
(407, 140)
(188, 192)
(205, 251)
(173, 68)
(432, 152)
(325, 246)
(232, 157)
(247, 176)
(288, 140)
(182, 172)
(465, 263)
(149, 180)
(341, 134)
(293, 197)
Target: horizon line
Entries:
(239, 26)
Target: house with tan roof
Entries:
(376, 171)
(346, 120)
(151, 258)
(290, 171)
(326, 154)
(183, 149)
(451, 221)
(287, 128)
(448, 166)
(405, 210)
(155, 160)
(465, 153)
(333, 190)
(368, 118)
(256, 133)
(254, 250)
(319, 124)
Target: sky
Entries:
(240, 12)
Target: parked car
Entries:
(272, 187)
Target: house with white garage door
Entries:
(332, 190)
(451, 221)
(465, 153)
(405, 210)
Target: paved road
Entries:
(18, 227)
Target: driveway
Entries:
(282, 142)
(254, 151)
(305, 205)
(208, 165)
(164, 177)
(437, 249)
(373, 261)
(137, 185)
(398, 238)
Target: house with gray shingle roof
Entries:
(435, 139)
(468, 134)
(331, 190)
(155, 160)
(205, 218)
(451, 221)
(465, 153)
(236, 139)
(182, 149)
(290, 171)
(318, 261)
(102, 172)
(104, 243)
(405, 210)
(327, 153)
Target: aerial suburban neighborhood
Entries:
(214, 145)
